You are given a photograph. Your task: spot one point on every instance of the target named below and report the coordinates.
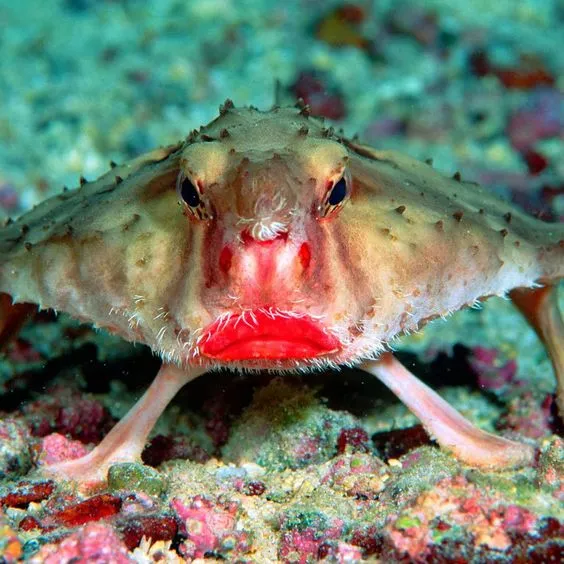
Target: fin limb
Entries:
(540, 307)
(126, 441)
(447, 426)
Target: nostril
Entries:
(225, 259)
(304, 254)
(247, 237)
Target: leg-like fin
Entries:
(540, 307)
(125, 442)
(446, 425)
(12, 317)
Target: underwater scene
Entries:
(281, 282)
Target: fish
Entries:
(265, 240)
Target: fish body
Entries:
(267, 241)
(404, 245)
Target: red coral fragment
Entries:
(155, 528)
(525, 78)
(355, 440)
(27, 492)
(351, 13)
(370, 540)
(536, 162)
(531, 72)
(92, 509)
(479, 63)
(312, 87)
(254, 488)
(68, 412)
(397, 442)
(163, 448)
(28, 523)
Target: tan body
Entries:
(406, 244)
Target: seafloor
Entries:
(263, 468)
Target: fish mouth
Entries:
(267, 335)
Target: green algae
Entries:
(516, 487)
(407, 522)
(532, 488)
(132, 476)
(426, 467)
(286, 426)
(304, 517)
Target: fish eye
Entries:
(187, 191)
(338, 192)
(335, 197)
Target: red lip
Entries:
(270, 337)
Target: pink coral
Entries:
(300, 547)
(492, 370)
(95, 544)
(455, 503)
(210, 527)
(57, 448)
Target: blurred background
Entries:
(477, 86)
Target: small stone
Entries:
(254, 488)
(154, 527)
(27, 492)
(136, 477)
(15, 454)
(91, 509)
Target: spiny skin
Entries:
(406, 245)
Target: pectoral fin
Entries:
(540, 308)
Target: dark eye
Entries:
(187, 191)
(338, 192)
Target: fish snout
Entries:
(264, 268)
